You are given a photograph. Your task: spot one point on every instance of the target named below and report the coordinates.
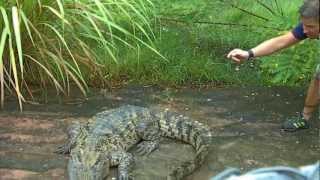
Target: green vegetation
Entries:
(171, 42)
(195, 37)
(56, 42)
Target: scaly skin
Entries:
(104, 142)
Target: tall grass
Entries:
(52, 42)
(62, 42)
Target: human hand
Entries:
(238, 55)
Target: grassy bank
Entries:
(170, 42)
(195, 37)
(53, 44)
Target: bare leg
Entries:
(311, 102)
(312, 99)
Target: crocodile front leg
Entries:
(124, 161)
(75, 131)
(146, 147)
(150, 135)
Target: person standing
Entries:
(308, 28)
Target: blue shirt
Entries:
(298, 32)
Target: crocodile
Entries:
(105, 139)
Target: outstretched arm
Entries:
(265, 48)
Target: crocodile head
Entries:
(88, 165)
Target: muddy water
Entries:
(245, 123)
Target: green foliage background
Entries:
(59, 43)
(104, 43)
(216, 27)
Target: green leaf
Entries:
(16, 28)
(3, 40)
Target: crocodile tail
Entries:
(186, 168)
(192, 132)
